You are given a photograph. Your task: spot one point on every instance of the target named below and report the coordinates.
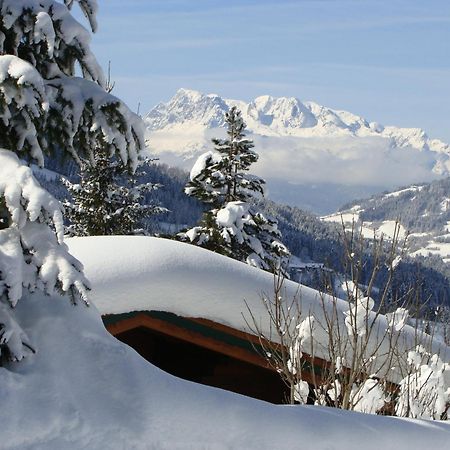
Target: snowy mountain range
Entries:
(312, 156)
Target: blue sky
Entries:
(387, 60)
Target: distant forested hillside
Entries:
(421, 208)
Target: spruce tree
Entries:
(108, 200)
(46, 109)
(234, 226)
(221, 176)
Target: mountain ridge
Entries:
(283, 116)
(423, 211)
(311, 156)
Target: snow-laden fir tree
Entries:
(45, 108)
(221, 176)
(234, 226)
(108, 200)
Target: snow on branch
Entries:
(14, 342)
(22, 105)
(90, 118)
(47, 35)
(89, 9)
(32, 252)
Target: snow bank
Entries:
(84, 389)
(137, 273)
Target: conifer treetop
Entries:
(220, 176)
(107, 200)
(234, 226)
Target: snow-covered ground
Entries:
(84, 389)
(401, 191)
(430, 244)
(437, 248)
(368, 229)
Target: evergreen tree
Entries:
(108, 200)
(234, 226)
(220, 176)
(46, 109)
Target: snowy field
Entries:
(431, 245)
(83, 389)
(86, 390)
(368, 229)
(436, 245)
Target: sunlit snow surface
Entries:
(86, 390)
(137, 273)
(131, 273)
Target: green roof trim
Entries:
(187, 324)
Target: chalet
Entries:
(183, 309)
(199, 350)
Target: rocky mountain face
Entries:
(188, 106)
(311, 156)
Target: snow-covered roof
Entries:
(137, 273)
(83, 389)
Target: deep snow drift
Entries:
(84, 389)
(135, 273)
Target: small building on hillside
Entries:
(185, 309)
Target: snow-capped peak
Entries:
(188, 106)
(189, 94)
(281, 116)
(301, 144)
